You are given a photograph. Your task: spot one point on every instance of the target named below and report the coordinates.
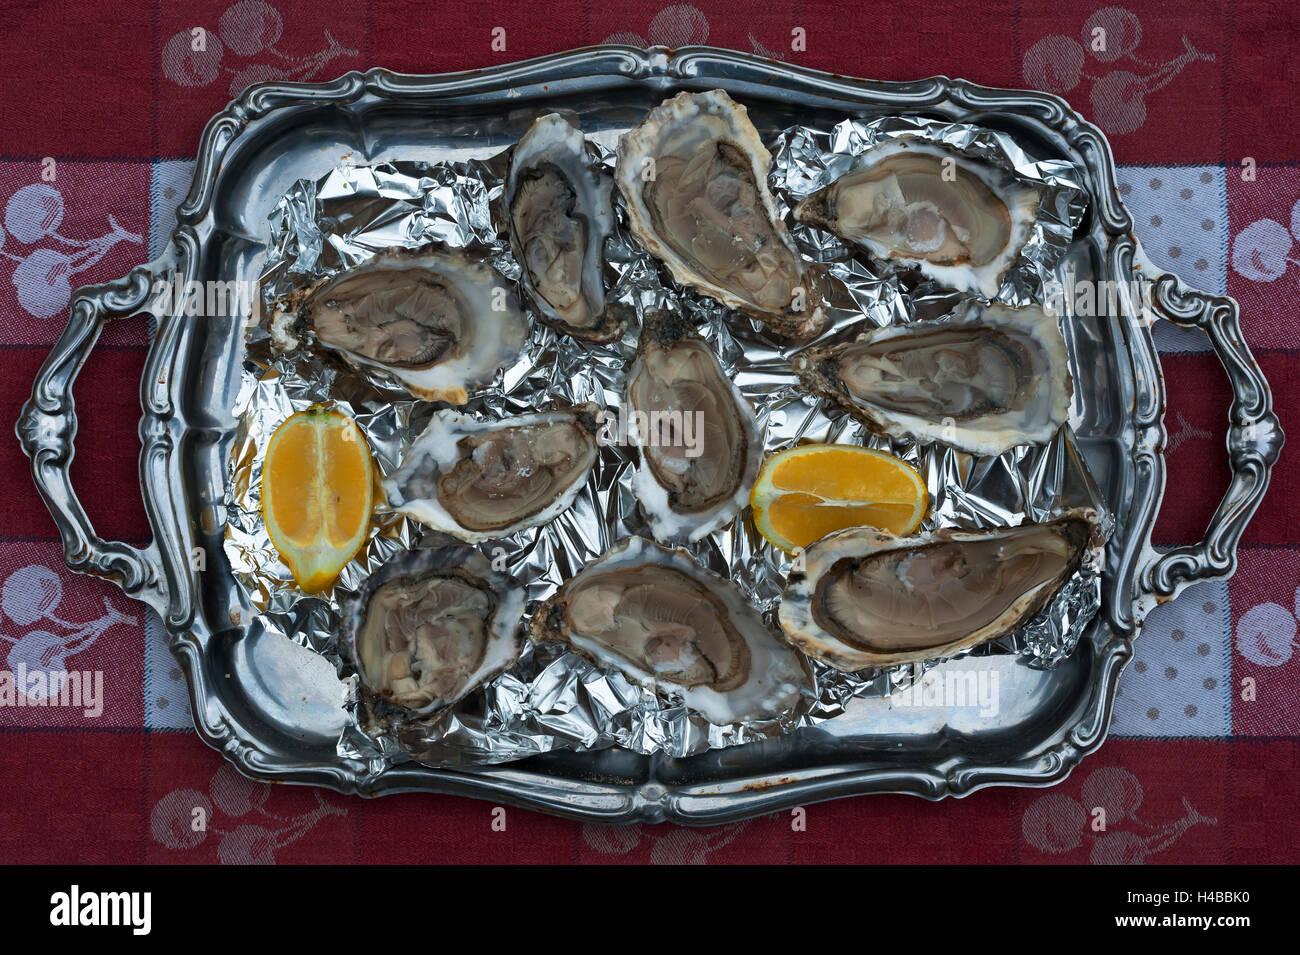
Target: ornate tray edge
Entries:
(172, 584)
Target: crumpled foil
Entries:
(807, 159)
(553, 699)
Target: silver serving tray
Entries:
(273, 707)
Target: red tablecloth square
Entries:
(1277, 521)
(1266, 653)
(1262, 78)
(72, 649)
(416, 38)
(1197, 422)
(1153, 74)
(77, 80)
(106, 468)
(1158, 801)
(208, 51)
(461, 830)
(200, 811)
(1261, 785)
(75, 798)
(68, 224)
(1263, 219)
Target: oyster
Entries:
(436, 320)
(483, 480)
(985, 379)
(431, 626)
(961, 221)
(694, 176)
(699, 440)
(866, 598)
(560, 215)
(669, 624)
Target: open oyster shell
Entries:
(694, 177)
(866, 598)
(671, 625)
(559, 209)
(702, 445)
(479, 479)
(961, 221)
(983, 380)
(437, 321)
(431, 626)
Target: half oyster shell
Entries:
(440, 323)
(560, 213)
(480, 480)
(671, 625)
(983, 380)
(431, 626)
(961, 221)
(868, 599)
(702, 447)
(694, 176)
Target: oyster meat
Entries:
(983, 380)
(867, 599)
(437, 321)
(698, 437)
(694, 177)
(480, 480)
(669, 624)
(560, 214)
(961, 221)
(431, 626)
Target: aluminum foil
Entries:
(807, 159)
(554, 699)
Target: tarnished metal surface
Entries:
(274, 707)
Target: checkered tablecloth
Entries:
(103, 107)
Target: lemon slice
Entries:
(807, 492)
(317, 493)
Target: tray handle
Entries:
(47, 430)
(1254, 439)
